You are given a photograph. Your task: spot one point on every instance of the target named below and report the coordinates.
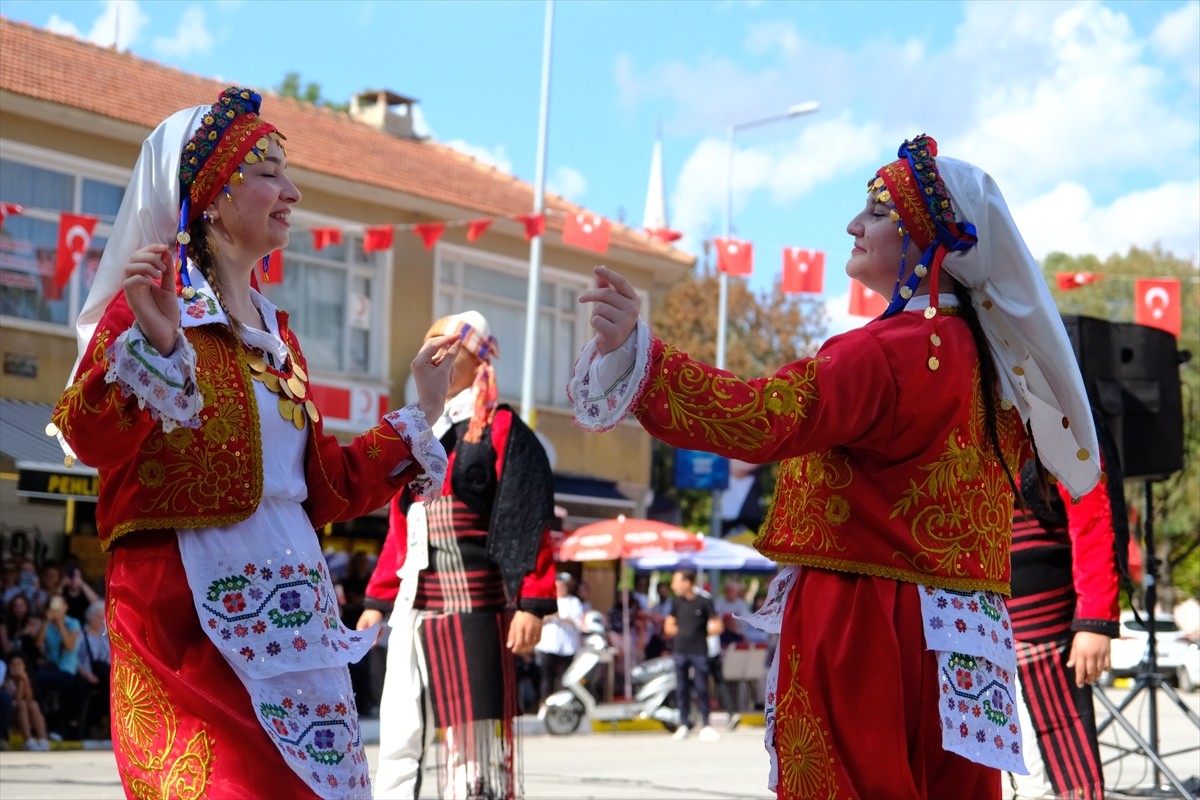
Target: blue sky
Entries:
(1087, 113)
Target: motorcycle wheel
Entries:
(564, 720)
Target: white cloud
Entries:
(1043, 95)
(1177, 38)
(118, 24)
(1066, 219)
(190, 38)
(495, 157)
(567, 183)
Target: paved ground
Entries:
(629, 765)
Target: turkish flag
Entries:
(74, 235)
(1073, 280)
(323, 237)
(664, 234)
(1156, 303)
(864, 302)
(275, 267)
(429, 232)
(10, 210)
(734, 256)
(378, 237)
(589, 231)
(803, 271)
(535, 224)
(476, 227)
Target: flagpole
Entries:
(528, 412)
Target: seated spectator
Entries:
(8, 580)
(731, 605)
(58, 680)
(20, 629)
(28, 586)
(95, 667)
(27, 714)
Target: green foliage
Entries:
(310, 93)
(1176, 500)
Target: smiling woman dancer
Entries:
(899, 442)
(191, 398)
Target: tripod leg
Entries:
(1180, 703)
(1143, 746)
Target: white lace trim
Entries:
(163, 385)
(409, 423)
(602, 388)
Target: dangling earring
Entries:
(206, 217)
(266, 265)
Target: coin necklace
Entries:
(292, 387)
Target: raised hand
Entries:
(616, 311)
(431, 372)
(150, 290)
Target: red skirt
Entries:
(858, 704)
(182, 723)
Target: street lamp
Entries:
(723, 277)
(794, 111)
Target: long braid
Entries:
(201, 251)
(987, 377)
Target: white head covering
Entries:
(1035, 363)
(149, 214)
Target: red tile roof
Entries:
(58, 69)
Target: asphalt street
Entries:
(643, 765)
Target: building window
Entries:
(332, 298)
(47, 185)
(497, 287)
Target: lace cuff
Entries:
(163, 385)
(603, 388)
(409, 423)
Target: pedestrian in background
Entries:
(689, 625)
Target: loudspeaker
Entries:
(1131, 374)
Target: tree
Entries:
(1176, 499)
(765, 331)
(291, 87)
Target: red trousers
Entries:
(857, 706)
(182, 723)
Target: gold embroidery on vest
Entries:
(146, 728)
(802, 743)
(711, 406)
(807, 508)
(962, 508)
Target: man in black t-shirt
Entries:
(691, 621)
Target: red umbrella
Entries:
(623, 538)
(627, 538)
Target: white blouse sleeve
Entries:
(163, 385)
(603, 388)
(410, 425)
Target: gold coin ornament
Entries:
(294, 402)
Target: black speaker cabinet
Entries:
(1131, 373)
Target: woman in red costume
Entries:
(898, 445)
(191, 398)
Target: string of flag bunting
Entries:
(1157, 301)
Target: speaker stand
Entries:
(1149, 678)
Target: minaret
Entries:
(655, 218)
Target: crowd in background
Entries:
(54, 655)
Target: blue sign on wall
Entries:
(695, 469)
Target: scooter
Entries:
(653, 688)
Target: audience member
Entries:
(730, 607)
(560, 636)
(95, 667)
(76, 591)
(28, 586)
(353, 596)
(57, 678)
(27, 714)
(20, 630)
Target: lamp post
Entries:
(723, 278)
